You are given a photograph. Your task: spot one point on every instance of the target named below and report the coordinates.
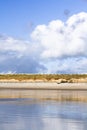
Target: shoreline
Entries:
(44, 91)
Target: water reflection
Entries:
(48, 115)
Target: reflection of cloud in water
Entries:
(19, 124)
(62, 124)
(43, 124)
(52, 124)
(74, 125)
(47, 116)
(22, 123)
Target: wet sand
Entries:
(49, 90)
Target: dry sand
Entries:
(43, 85)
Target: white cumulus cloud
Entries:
(56, 47)
(61, 39)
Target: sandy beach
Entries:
(42, 85)
(44, 90)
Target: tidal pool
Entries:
(29, 114)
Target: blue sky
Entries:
(34, 36)
(16, 16)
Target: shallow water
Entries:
(28, 114)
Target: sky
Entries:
(43, 36)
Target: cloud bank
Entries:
(58, 47)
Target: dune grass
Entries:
(41, 76)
